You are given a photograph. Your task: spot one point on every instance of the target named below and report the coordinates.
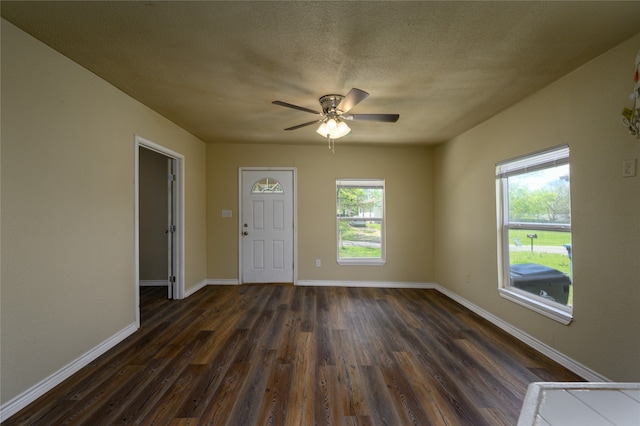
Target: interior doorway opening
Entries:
(159, 227)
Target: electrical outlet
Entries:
(318, 263)
(629, 168)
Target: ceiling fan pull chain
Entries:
(332, 144)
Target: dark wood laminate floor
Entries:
(285, 355)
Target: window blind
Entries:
(532, 162)
(360, 183)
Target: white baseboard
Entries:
(569, 363)
(375, 284)
(212, 281)
(19, 402)
(188, 292)
(153, 283)
(209, 281)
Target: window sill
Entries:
(557, 314)
(361, 261)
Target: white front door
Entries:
(267, 226)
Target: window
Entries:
(360, 221)
(267, 186)
(534, 231)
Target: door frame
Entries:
(178, 258)
(295, 217)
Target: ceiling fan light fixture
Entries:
(341, 131)
(322, 130)
(334, 129)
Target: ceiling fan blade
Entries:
(303, 125)
(299, 108)
(387, 118)
(353, 98)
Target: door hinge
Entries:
(171, 177)
(172, 279)
(172, 228)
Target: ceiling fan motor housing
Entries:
(330, 103)
(335, 110)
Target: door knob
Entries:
(245, 233)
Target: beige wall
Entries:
(582, 110)
(67, 209)
(409, 205)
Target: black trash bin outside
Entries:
(541, 280)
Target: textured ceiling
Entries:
(214, 67)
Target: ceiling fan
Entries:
(335, 110)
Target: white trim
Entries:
(560, 358)
(36, 391)
(371, 284)
(294, 170)
(543, 308)
(190, 291)
(359, 261)
(153, 283)
(213, 281)
(209, 281)
(179, 219)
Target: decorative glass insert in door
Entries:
(267, 186)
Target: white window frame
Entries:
(532, 162)
(362, 183)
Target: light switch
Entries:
(629, 168)
(227, 213)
